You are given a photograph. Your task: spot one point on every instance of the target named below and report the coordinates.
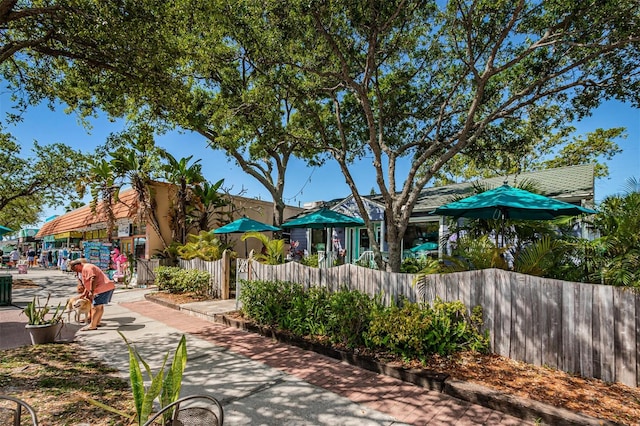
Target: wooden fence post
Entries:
(226, 275)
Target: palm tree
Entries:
(207, 201)
(619, 225)
(185, 176)
(104, 190)
(135, 160)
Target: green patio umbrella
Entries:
(5, 230)
(506, 202)
(244, 224)
(424, 247)
(323, 218)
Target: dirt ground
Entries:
(23, 283)
(610, 401)
(58, 381)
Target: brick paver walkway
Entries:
(406, 402)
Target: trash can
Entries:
(6, 284)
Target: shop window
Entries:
(364, 240)
(420, 233)
(139, 246)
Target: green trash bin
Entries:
(6, 282)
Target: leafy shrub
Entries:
(177, 280)
(309, 312)
(349, 316)
(352, 318)
(164, 277)
(267, 302)
(415, 331)
(311, 261)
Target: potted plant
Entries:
(43, 326)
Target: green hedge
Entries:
(350, 317)
(177, 280)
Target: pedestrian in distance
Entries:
(97, 287)
(31, 257)
(14, 257)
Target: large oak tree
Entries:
(405, 82)
(418, 82)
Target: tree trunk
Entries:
(278, 212)
(393, 236)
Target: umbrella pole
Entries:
(502, 231)
(246, 252)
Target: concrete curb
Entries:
(522, 408)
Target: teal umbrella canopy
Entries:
(506, 202)
(5, 230)
(244, 224)
(424, 247)
(323, 218)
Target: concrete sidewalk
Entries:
(258, 380)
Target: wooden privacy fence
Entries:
(588, 329)
(219, 271)
(145, 270)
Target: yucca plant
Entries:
(166, 386)
(37, 314)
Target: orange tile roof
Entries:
(83, 217)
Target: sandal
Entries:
(87, 328)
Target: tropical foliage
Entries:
(619, 245)
(273, 249)
(131, 158)
(41, 314)
(551, 248)
(204, 245)
(207, 212)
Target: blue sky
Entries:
(304, 184)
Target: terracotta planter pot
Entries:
(43, 333)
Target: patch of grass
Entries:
(57, 379)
